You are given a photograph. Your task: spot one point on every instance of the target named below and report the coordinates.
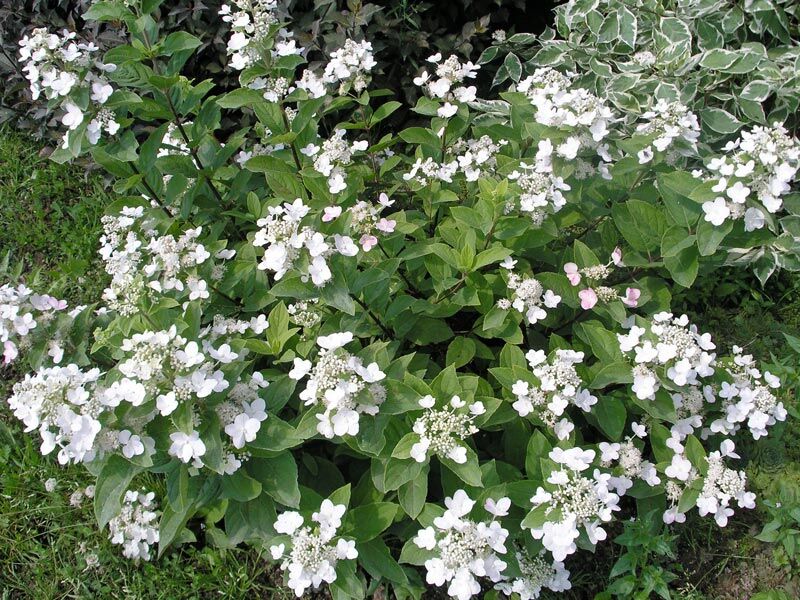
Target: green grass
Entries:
(50, 219)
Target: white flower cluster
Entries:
(62, 404)
(670, 125)
(448, 82)
(559, 386)
(260, 148)
(596, 291)
(243, 412)
(141, 261)
(65, 69)
(748, 399)
(755, 172)
(471, 157)
(559, 105)
(528, 296)
(464, 549)
(628, 456)
(349, 66)
(135, 528)
(21, 311)
(340, 383)
(284, 237)
(332, 157)
(540, 189)
(668, 347)
(441, 431)
(570, 500)
(721, 485)
(251, 21)
(536, 574)
(314, 550)
(366, 220)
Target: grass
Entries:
(50, 223)
(50, 219)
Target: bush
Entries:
(365, 350)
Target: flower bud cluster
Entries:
(66, 71)
(21, 312)
(536, 574)
(251, 21)
(135, 528)
(569, 500)
(471, 157)
(754, 173)
(630, 460)
(442, 430)
(366, 221)
(313, 551)
(463, 549)
(667, 347)
(559, 386)
(341, 384)
(284, 237)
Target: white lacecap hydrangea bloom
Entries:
(142, 262)
(754, 173)
(333, 156)
(284, 237)
(442, 430)
(447, 81)
(341, 384)
(310, 552)
(528, 296)
(68, 70)
(62, 403)
(471, 157)
(135, 528)
(722, 487)
(570, 501)
(667, 347)
(536, 573)
(349, 66)
(21, 312)
(464, 550)
(366, 221)
(559, 387)
(749, 399)
(251, 22)
(672, 126)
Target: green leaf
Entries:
(419, 135)
(460, 351)
(377, 560)
(720, 121)
(412, 495)
(240, 486)
(111, 485)
(709, 237)
(513, 66)
(278, 477)
(683, 266)
(384, 111)
(177, 41)
(367, 522)
(469, 472)
(676, 188)
(611, 416)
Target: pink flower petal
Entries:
(616, 256)
(368, 242)
(331, 213)
(386, 225)
(631, 297)
(571, 269)
(588, 298)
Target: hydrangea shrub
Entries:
(437, 356)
